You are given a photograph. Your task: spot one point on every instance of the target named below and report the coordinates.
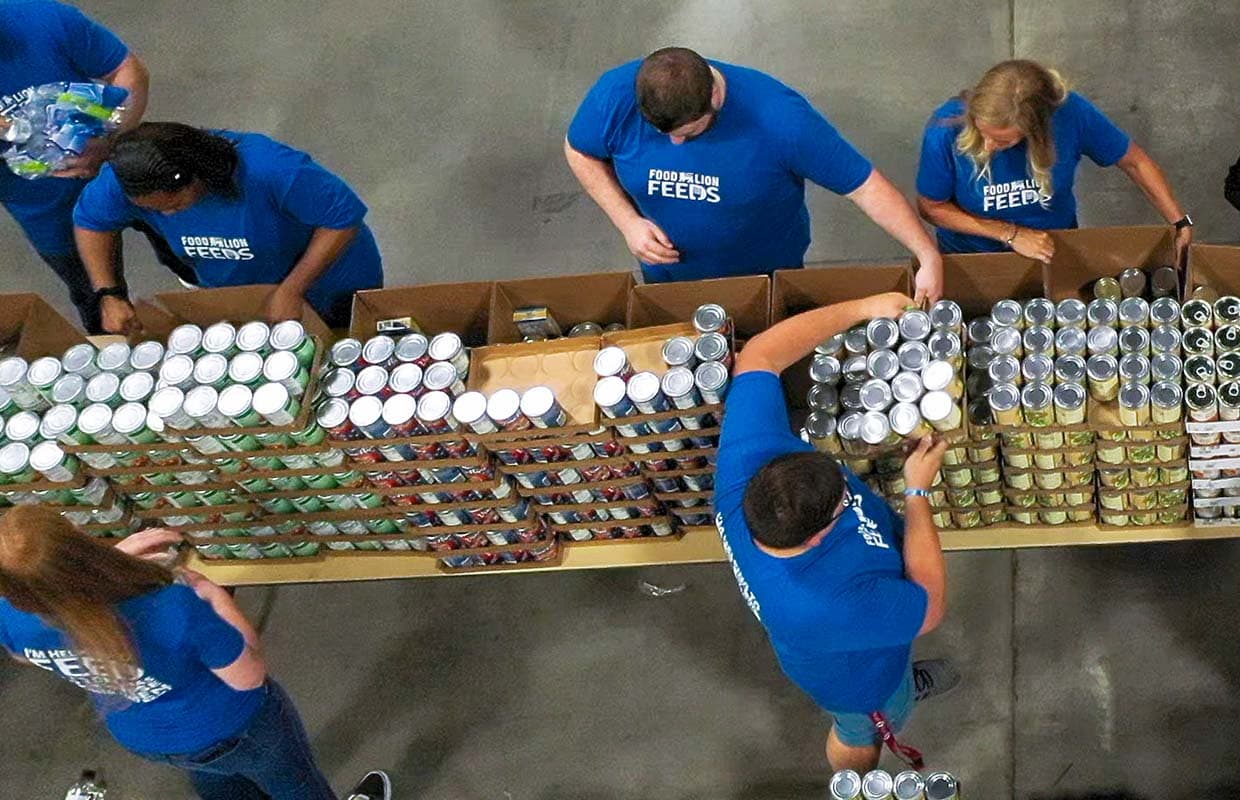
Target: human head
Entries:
(50, 568)
(1013, 102)
(793, 498)
(167, 166)
(676, 92)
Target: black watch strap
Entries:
(1183, 222)
(112, 291)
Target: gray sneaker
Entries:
(934, 677)
(375, 786)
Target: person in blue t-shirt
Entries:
(998, 163)
(171, 663)
(45, 42)
(841, 583)
(701, 165)
(241, 208)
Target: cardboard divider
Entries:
(574, 487)
(644, 346)
(1084, 255)
(462, 308)
(235, 304)
(601, 297)
(1168, 487)
(979, 280)
(1214, 265)
(564, 365)
(747, 300)
(31, 328)
(644, 460)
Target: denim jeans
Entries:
(270, 760)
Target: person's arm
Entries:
(1029, 242)
(1147, 174)
(787, 342)
(98, 252)
(326, 245)
(923, 552)
(151, 544)
(645, 240)
(249, 669)
(883, 203)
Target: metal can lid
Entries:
(78, 357)
(345, 352)
(1166, 394)
(913, 355)
(166, 401)
(914, 324)
(906, 387)
(850, 396)
(883, 364)
(137, 387)
(405, 377)
(283, 365)
(1071, 340)
(146, 356)
(103, 387)
(1165, 339)
(1135, 395)
(211, 368)
(434, 406)
(821, 396)
(504, 405)
(378, 349)
(1004, 369)
(941, 786)
(711, 376)
(677, 382)
(57, 420)
(1102, 339)
(69, 388)
(332, 413)
(1133, 309)
(1069, 395)
(399, 409)
(678, 351)
(944, 344)
(46, 455)
(95, 418)
(1134, 367)
(1037, 367)
(1133, 339)
(1006, 313)
(908, 785)
(129, 418)
(1035, 396)
(875, 395)
(411, 347)
(946, 314)
(1070, 312)
(819, 425)
(824, 369)
(537, 401)
(1227, 307)
(1070, 369)
(1200, 395)
(848, 426)
(937, 375)
(236, 400)
(845, 785)
(875, 427)
(584, 329)
(1197, 339)
(288, 335)
(709, 317)
(472, 406)
(218, 338)
(22, 425)
(1039, 311)
(339, 382)
(114, 356)
(611, 361)
(176, 369)
(855, 340)
(444, 346)
(876, 785)
(1005, 341)
(608, 392)
(1165, 311)
(1038, 339)
(882, 332)
(1102, 312)
(643, 387)
(980, 356)
(14, 457)
(437, 377)
(831, 346)
(253, 336)
(1166, 367)
(1229, 394)
(1102, 367)
(366, 410)
(711, 347)
(271, 398)
(184, 339)
(904, 418)
(44, 371)
(201, 400)
(981, 329)
(372, 379)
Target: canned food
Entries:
(1165, 339)
(1007, 342)
(712, 347)
(613, 361)
(712, 318)
(379, 351)
(1071, 313)
(246, 369)
(1199, 369)
(1071, 341)
(254, 337)
(1197, 312)
(68, 388)
(442, 376)
(504, 409)
(1102, 312)
(1134, 311)
(202, 403)
(1134, 340)
(1070, 369)
(80, 360)
(1227, 310)
(1134, 368)
(941, 411)
(539, 404)
(346, 354)
(882, 334)
(1134, 405)
(284, 368)
(1069, 399)
(712, 381)
(104, 388)
(1039, 339)
(1005, 405)
(824, 369)
(1103, 371)
(413, 348)
(645, 392)
(946, 346)
(221, 339)
(1039, 311)
(831, 347)
(939, 376)
(1038, 368)
(914, 325)
(290, 335)
(448, 347)
(882, 364)
(1007, 314)
(906, 387)
(274, 403)
(906, 421)
(876, 785)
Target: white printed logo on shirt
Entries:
(682, 185)
(1013, 194)
(216, 247)
(86, 673)
(8, 102)
(867, 527)
(746, 592)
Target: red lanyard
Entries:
(906, 753)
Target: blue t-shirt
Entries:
(43, 42)
(177, 705)
(1011, 194)
(258, 236)
(841, 616)
(733, 199)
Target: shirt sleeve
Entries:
(936, 171)
(755, 431)
(889, 612)
(1101, 139)
(6, 641)
(314, 196)
(590, 132)
(86, 44)
(102, 206)
(216, 643)
(814, 149)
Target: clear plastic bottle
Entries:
(56, 122)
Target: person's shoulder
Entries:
(170, 599)
(104, 186)
(765, 94)
(947, 116)
(617, 86)
(1075, 106)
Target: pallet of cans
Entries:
(1212, 402)
(879, 784)
(45, 475)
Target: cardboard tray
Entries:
(644, 346)
(564, 365)
(1085, 254)
(462, 308)
(601, 297)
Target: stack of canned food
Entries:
(26, 472)
(881, 785)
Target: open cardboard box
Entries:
(1213, 265)
(979, 280)
(747, 299)
(462, 308)
(644, 346)
(1084, 255)
(564, 365)
(31, 328)
(235, 304)
(601, 297)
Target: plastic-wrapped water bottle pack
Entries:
(56, 123)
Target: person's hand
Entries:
(283, 303)
(203, 586)
(888, 304)
(118, 316)
(649, 243)
(86, 165)
(924, 462)
(1032, 243)
(151, 544)
(928, 285)
(1183, 238)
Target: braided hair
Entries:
(168, 156)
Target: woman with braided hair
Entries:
(240, 208)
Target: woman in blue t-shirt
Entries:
(998, 163)
(171, 663)
(240, 208)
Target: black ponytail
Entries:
(168, 156)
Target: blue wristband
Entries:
(916, 493)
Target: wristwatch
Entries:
(112, 291)
(916, 493)
(1184, 222)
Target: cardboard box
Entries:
(644, 346)
(747, 299)
(462, 308)
(1214, 265)
(236, 304)
(979, 280)
(31, 328)
(1084, 255)
(564, 365)
(601, 297)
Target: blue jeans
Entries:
(270, 760)
(857, 730)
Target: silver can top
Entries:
(245, 368)
(906, 387)
(1102, 340)
(44, 371)
(643, 387)
(1004, 397)
(1166, 394)
(1005, 341)
(405, 378)
(253, 336)
(608, 392)
(166, 401)
(908, 785)
(1070, 369)
(288, 335)
(1035, 396)
(113, 357)
(849, 425)
(137, 387)
(1134, 311)
(471, 407)
(399, 409)
(883, 364)
(831, 347)
(1039, 339)
(236, 400)
(184, 339)
(1102, 367)
(79, 357)
(270, 398)
(14, 457)
(211, 368)
(103, 387)
(345, 352)
(282, 365)
(339, 381)
(1134, 340)
(46, 455)
(709, 318)
(1102, 312)
(904, 418)
(855, 341)
(913, 356)
(980, 330)
(1165, 311)
(882, 333)
(437, 377)
(1004, 369)
(1165, 339)
(876, 785)
(219, 338)
(146, 356)
(1039, 311)
(1166, 367)
(1134, 395)
(1038, 368)
(1070, 313)
(57, 420)
(379, 349)
(711, 347)
(845, 785)
(937, 376)
(201, 401)
(677, 382)
(980, 356)
(363, 411)
(820, 425)
(914, 325)
(678, 351)
(22, 426)
(946, 314)
(944, 344)
(445, 346)
(711, 376)
(176, 369)
(1007, 313)
(875, 427)
(823, 397)
(504, 405)
(1069, 396)
(825, 369)
(373, 379)
(71, 387)
(612, 361)
(332, 413)
(1134, 367)
(95, 418)
(1200, 395)
(1071, 341)
(876, 395)
(129, 418)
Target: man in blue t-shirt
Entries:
(999, 162)
(702, 165)
(44, 42)
(842, 585)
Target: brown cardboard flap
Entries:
(564, 365)
(979, 280)
(601, 297)
(747, 299)
(1213, 265)
(795, 291)
(1084, 255)
(156, 322)
(33, 329)
(236, 304)
(462, 308)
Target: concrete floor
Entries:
(1087, 670)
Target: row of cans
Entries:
(589, 534)
(636, 490)
(1143, 518)
(389, 353)
(856, 432)
(881, 785)
(540, 554)
(1142, 501)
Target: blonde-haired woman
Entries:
(998, 163)
(174, 669)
